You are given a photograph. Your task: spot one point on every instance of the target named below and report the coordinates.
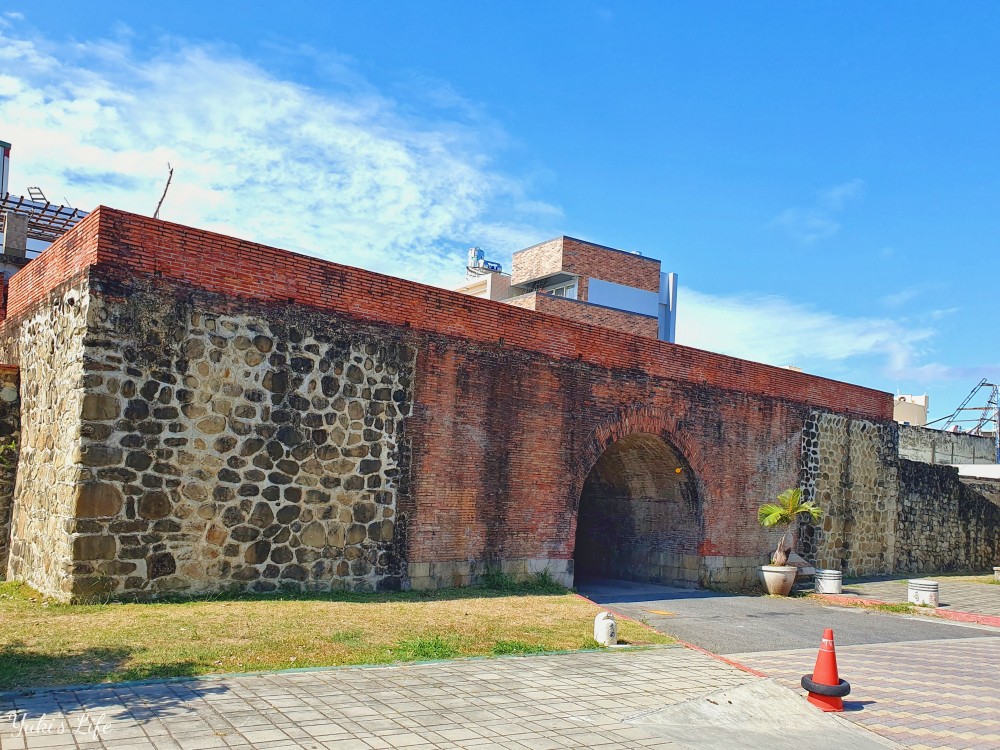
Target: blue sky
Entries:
(825, 177)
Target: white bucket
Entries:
(923, 591)
(829, 581)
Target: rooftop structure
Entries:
(583, 281)
(29, 223)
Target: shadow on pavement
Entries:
(612, 591)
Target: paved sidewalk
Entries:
(922, 694)
(558, 701)
(954, 594)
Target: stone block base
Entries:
(455, 573)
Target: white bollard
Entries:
(606, 629)
(996, 573)
(923, 591)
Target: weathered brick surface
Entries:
(619, 320)
(509, 411)
(131, 245)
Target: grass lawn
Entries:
(44, 643)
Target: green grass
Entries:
(424, 649)
(45, 643)
(507, 648)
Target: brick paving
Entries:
(954, 594)
(557, 701)
(921, 694)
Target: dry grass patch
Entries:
(43, 643)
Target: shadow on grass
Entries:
(493, 585)
(99, 703)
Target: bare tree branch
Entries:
(170, 176)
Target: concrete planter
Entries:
(778, 579)
(923, 591)
(829, 582)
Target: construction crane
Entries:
(984, 417)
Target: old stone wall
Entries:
(943, 523)
(47, 343)
(988, 488)
(849, 468)
(10, 437)
(228, 447)
(938, 447)
(220, 414)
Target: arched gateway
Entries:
(640, 513)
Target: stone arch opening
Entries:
(639, 516)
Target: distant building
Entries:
(28, 224)
(911, 410)
(585, 282)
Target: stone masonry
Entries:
(220, 445)
(200, 413)
(849, 468)
(10, 438)
(888, 514)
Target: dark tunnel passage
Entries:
(639, 518)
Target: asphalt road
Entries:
(732, 624)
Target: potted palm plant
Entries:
(778, 577)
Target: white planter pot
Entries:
(778, 579)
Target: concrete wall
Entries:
(938, 447)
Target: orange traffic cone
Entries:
(826, 689)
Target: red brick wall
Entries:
(503, 441)
(69, 256)
(129, 245)
(619, 320)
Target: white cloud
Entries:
(347, 173)
(777, 331)
(808, 225)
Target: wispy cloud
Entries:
(900, 298)
(778, 331)
(810, 224)
(938, 373)
(348, 172)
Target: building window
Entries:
(563, 290)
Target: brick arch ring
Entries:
(632, 421)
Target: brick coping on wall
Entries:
(126, 247)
